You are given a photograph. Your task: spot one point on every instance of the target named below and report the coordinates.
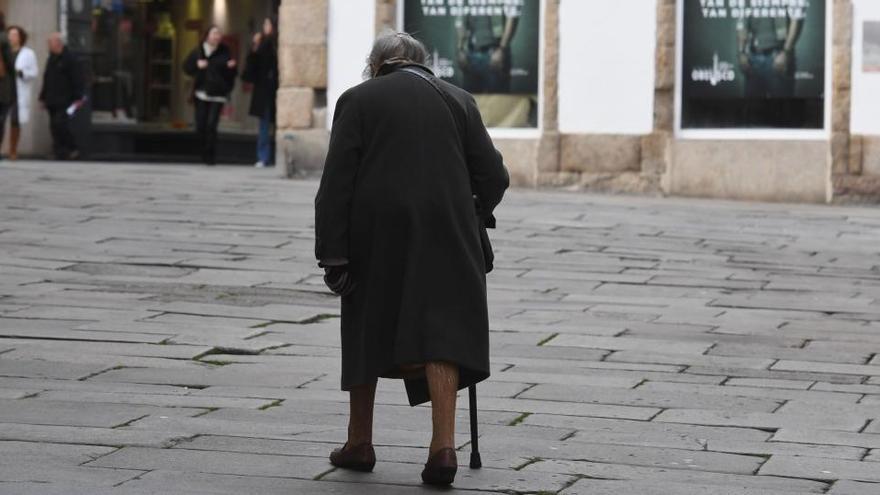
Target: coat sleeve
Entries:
(189, 65)
(27, 65)
(249, 74)
(334, 198)
(489, 177)
(8, 64)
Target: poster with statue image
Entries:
(488, 47)
(753, 64)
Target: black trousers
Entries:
(63, 142)
(207, 120)
(4, 111)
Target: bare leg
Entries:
(360, 421)
(443, 387)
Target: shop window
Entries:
(752, 64)
(491, 49)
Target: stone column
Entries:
(841, 54)
(301, 137)
(657, 145)
(549, 145)
(386, 15)
(850, 180)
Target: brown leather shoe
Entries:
(440, 468)
(358, 458)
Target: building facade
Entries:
(132, 53)
(744, 99)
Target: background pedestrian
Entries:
(214, 69)
(26, 72)
(62, 94)
(261, 70)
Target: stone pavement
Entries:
(164, 329)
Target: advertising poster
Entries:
(488, 47)
(753, 64)
(871, 46)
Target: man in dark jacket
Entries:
(62, 94)
(7, 76)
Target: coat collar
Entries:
(389, 67)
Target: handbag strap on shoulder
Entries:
(450, 105)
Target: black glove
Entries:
(339, 280)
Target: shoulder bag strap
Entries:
(457, 116)
(450, 105)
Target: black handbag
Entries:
(485, 222)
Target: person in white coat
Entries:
(26, 71)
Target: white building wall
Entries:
(351, 29)
(865, 112)
(606, 66)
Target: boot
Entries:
(14, 134)
(357, 458)
(441, 468)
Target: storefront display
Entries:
(488, 47)
(753, 64)
(137, 49)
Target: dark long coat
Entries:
(261, 69)
(7, 82)
(62, 80)
(396, 201)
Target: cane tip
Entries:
(476, 462)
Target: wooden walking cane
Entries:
(476, 462)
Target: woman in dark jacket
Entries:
(214, 70)
(261, 69)
(397, 232)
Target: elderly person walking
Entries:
(26, 71)
(398, 234)
(62, 94)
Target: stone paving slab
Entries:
(660, 477)
(665, 400)
(164, 329)
(821, 469)
(803, 435)
(846, 487)
(212, 462)
(83, 435)
(76, 413)
(744, 387)
(159, 480)
(805, 418)
(484, 479)
(608, 487)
